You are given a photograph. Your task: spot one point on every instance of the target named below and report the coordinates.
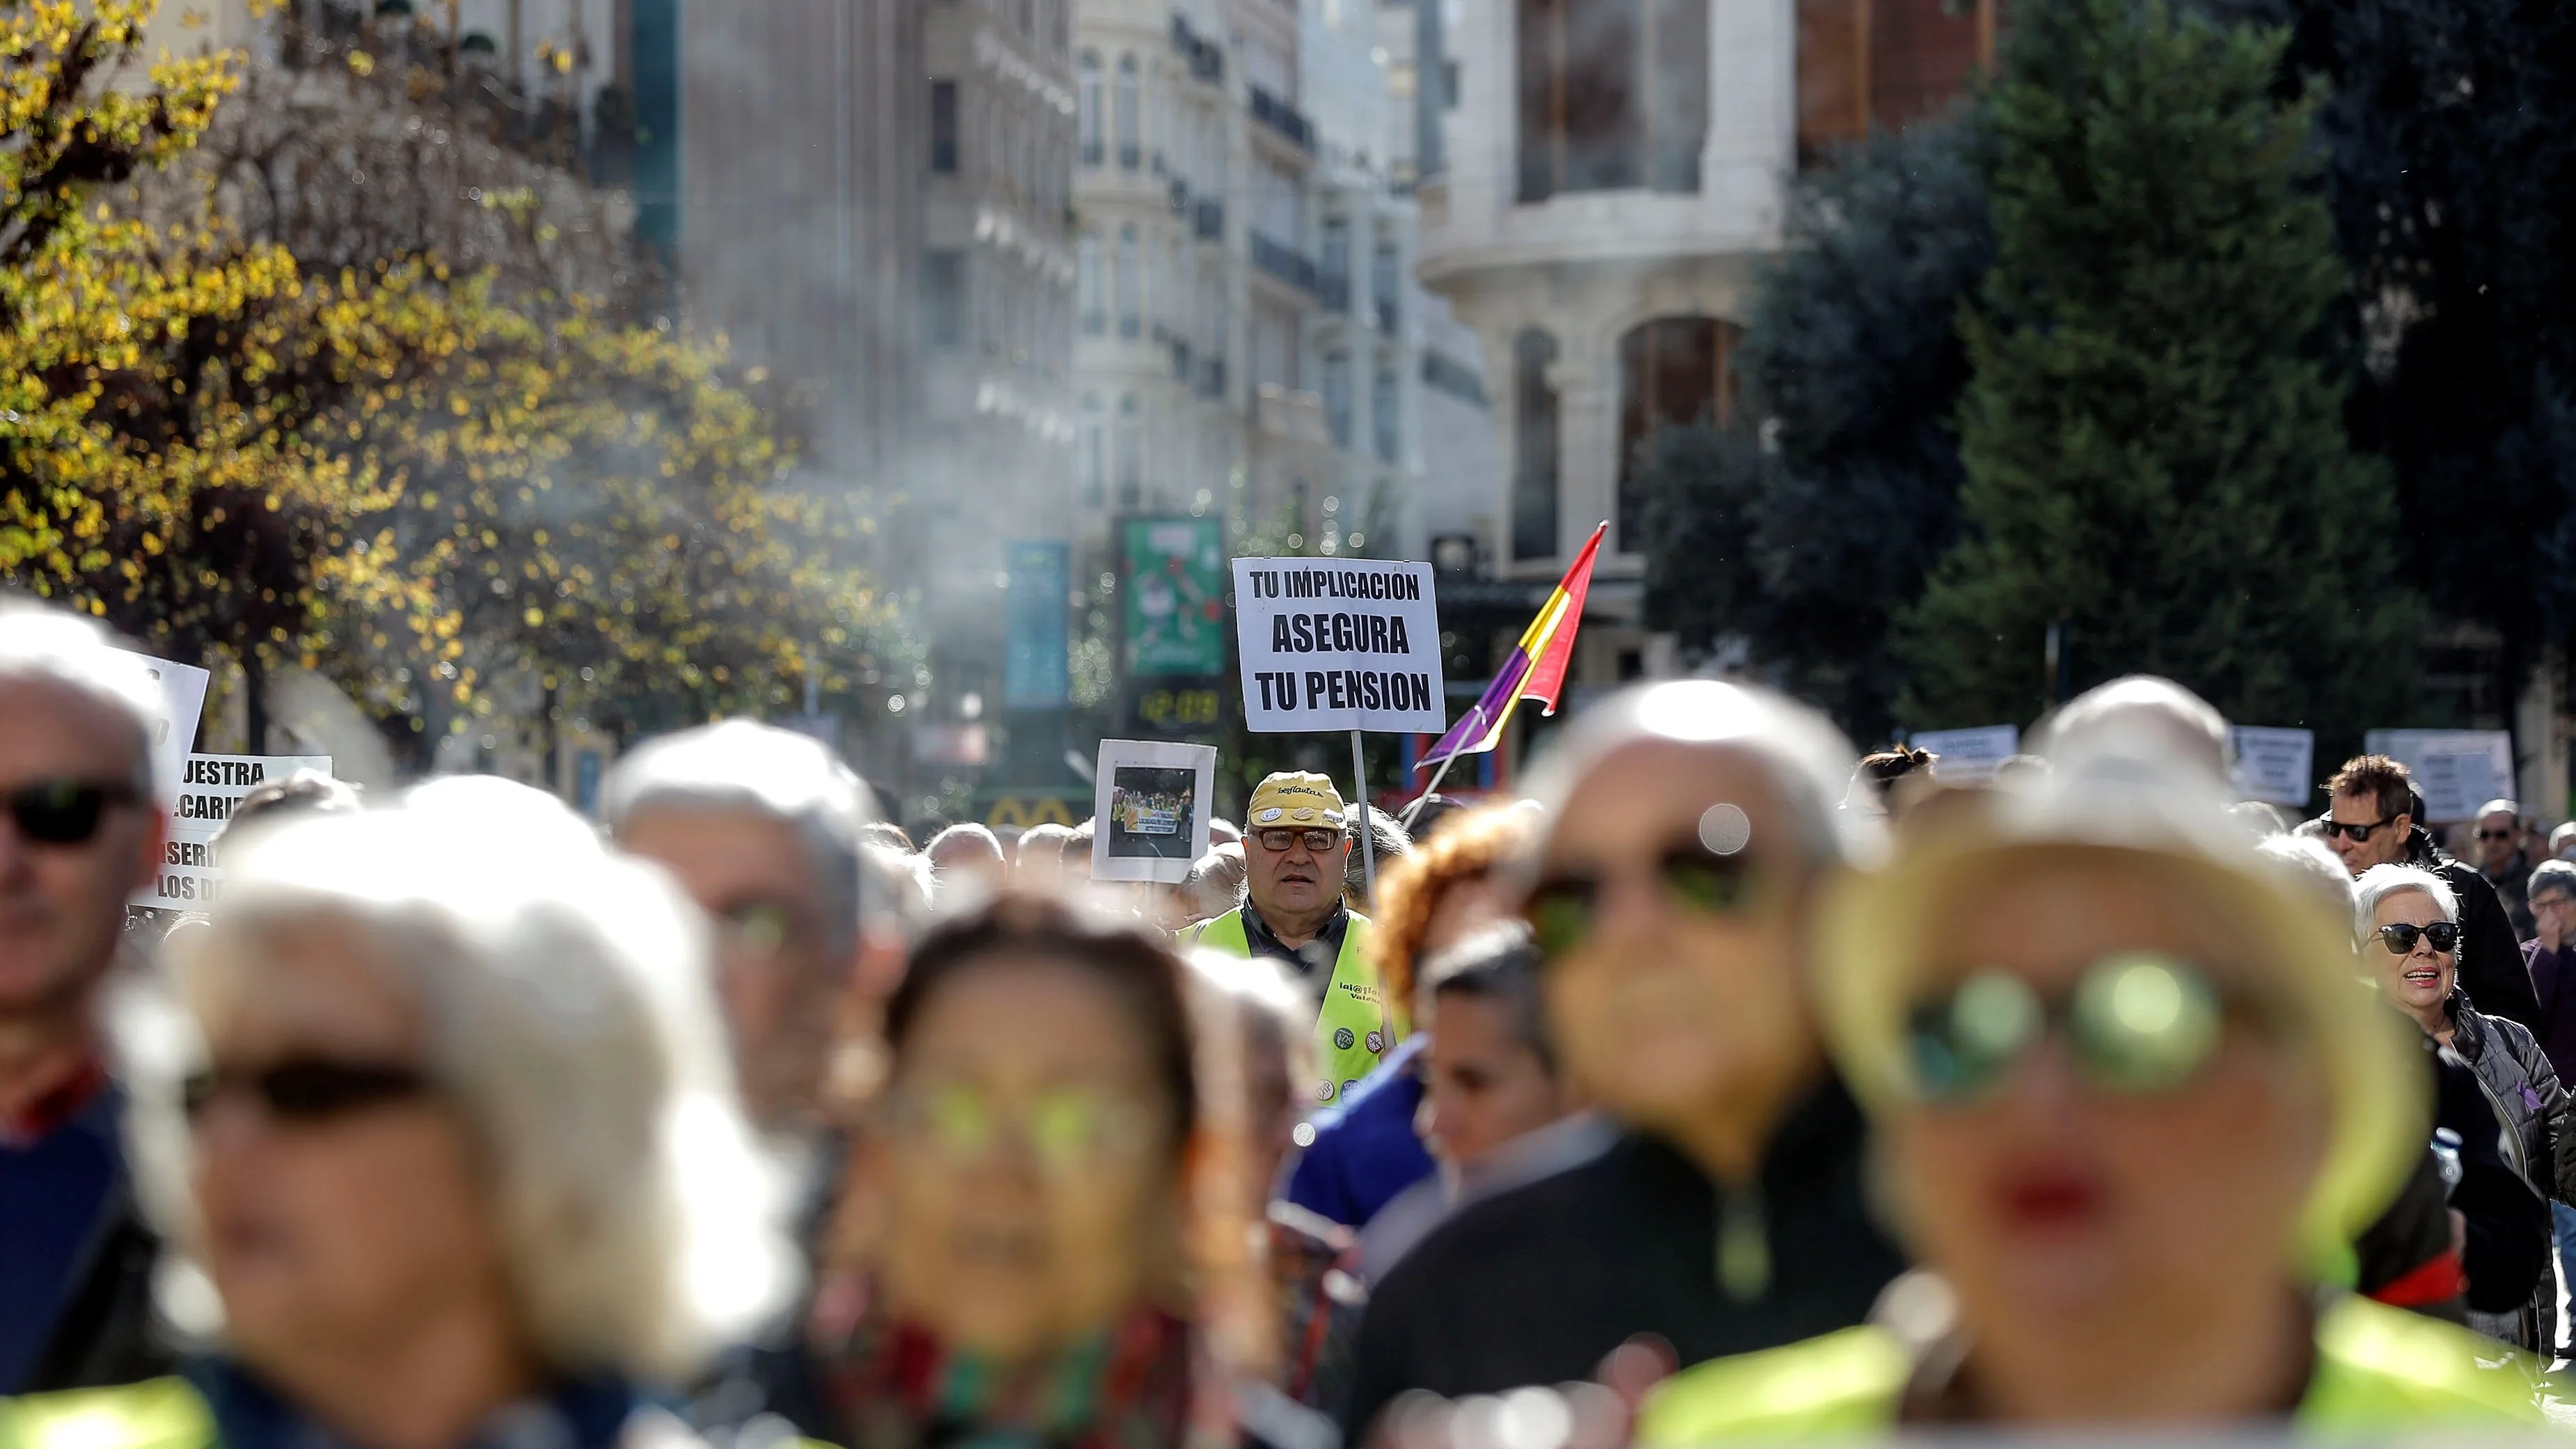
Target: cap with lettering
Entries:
(1294, 797)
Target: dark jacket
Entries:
(105, 1331)
(2526, 1099)
(2491, 968)
(2508, 1237)
(1537, 1285)
(2553, 984)
(2512, 888)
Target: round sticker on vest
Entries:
(1342, 1038)
(1353, 1082)
(1376, 1042)
(1323, 1091)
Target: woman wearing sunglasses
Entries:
(444, 1123)
(2127, 1103)
(2406, 926)
(1044, 1196)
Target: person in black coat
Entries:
(1688, 824)
(2375, 819)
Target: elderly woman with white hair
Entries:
(2406, 925)
(443, 1137)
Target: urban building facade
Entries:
(1606, 176)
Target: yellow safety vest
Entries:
(2380, 1370)
(1357, 1024)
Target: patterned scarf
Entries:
(1143, 1384)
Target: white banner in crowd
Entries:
(183, 692)
(2275, 765)
(1966, 756)
(2458, 770)
(209, 787)
(1152, 802)
(1338, 644)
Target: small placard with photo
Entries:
(1150, 809)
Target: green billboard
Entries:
(1175, 587)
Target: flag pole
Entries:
(1414, 810)
(1368, 875)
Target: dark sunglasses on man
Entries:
(2353, 831)
(304, 1090)
(2504, 834)
(1563, 907)
(65, 812)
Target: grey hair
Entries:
(2549, 875)
(572, 1021)
(40, 642)
(2383, 881)
(1801, 752)
(2310, 865)
(2500, 806)
(1051, 838)
(741, 764)
(969, 830)
(2142, 714)
(1386, 836)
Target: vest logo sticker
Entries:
(1376, 1042)
(1342, 1039)
(1324, 1091)
(1353, 1082)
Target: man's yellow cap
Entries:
(1294, 797)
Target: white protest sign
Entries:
(1152, 802)
(2458, 770)
(1965, 756)
(2275, 765)
(1338, 644)
(209, 787)
(183, 694)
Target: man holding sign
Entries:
(1296, 847)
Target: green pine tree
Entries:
(2153, 433)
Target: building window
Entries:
(1385, 414)
(1130, 465)
(1130, 149)
(1095, 465)
(1337, 397)
(1673, 371)
(943, 127)
(1534, 447)
(1613, 95)
(1090, 108)
(1095, 312)
(1130, 299)
(943, 299)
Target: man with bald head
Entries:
(1688, 824)
(82, 822)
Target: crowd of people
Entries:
(1727, 1087)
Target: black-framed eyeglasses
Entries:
(65, 812)
(2495, 835)
(1563, 907)
(2352, 831)
(2400, 939)
(2135, 1024)
(1280, 842)
(305, 1090)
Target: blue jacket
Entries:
(1365, 1150)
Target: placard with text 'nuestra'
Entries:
(1338, 644)
(209, 787)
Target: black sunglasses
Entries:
(305, 1089)
(1561, 909)
(64, 812)
(2400, 939)
(2352, 831)
(2495, 835)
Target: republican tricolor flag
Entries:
(1536, 669)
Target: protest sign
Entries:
(2458, 770)
(183, 694)
(1338, 644)
(209, 787)
(1965, 756)
(1152, 801)
(2275, 765)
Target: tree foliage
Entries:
(2154, 435)
(1797, 536)
(411, 477)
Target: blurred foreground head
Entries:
(2126, 1090)
(763, 827)
(1025, 1164)
(81, 821)
(1686, 827)
(445, 1089)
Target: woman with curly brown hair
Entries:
(1364, 1152)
